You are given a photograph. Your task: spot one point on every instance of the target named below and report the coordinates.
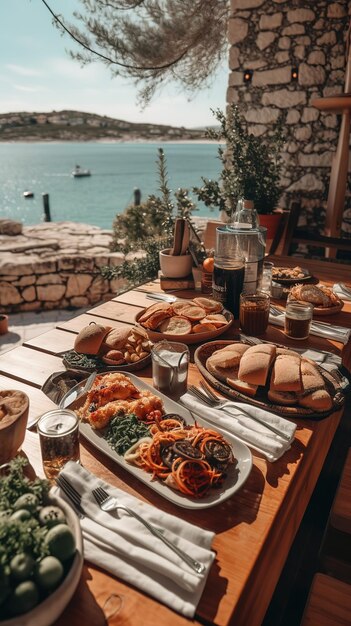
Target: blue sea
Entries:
(117, 169)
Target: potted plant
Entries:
(251, 168)
(4, 324)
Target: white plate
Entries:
(237, 473)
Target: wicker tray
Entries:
(261, 399)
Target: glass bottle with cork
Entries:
(251, 238)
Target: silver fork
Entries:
(275, 311)
(213, 401)
(161, 296)
(110, 503)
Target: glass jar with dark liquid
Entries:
(254, 313)
(298, 317)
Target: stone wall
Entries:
(271, 38)
(55, 266)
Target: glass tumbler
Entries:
(254, 313)
(298, 317)
(266, 282)
(59, 440)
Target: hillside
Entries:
(78, 126)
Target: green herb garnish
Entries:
(15, 483)
(124, 431)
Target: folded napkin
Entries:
(120, 544)
(338, 333)
(236, 420)
(343, 292)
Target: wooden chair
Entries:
(290, 234)
(328, 604)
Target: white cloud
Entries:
(31, 89)
(22, 70)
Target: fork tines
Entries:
(72, 494)
(100, 494)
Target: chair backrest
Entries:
(290, 234)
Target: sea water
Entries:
(116, 168)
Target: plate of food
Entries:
(99, 347)
(270, 376)
(324, 300)
(187, 321)
(290, 275)
(157, 441)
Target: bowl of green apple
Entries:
(41, 552)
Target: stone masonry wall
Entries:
(55, 266)
(271, 37)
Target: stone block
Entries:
(18, 266)
(79, 301)
(271, 21)
(315, 160)
(282, 57)
(294, 29)
(10, 227)
(317, 57)
(261, 115)
(31, 306)
(50, 293)
(98, 287)
(300, 52)
(66, 263)
(83, 264)
(309, 114)
(327, 39)
(337, 62)
(300, 15)
(257, 130)
(308, 182)
(284, 99)
(49, 279)
(303, 133)
(284, 43)
(237, 30)
(246, 4)
(311, 75)
(24, 281)
(78, 284)
(116, 259)
(234, 58)
(255, 65)
(292, 117)
(235, 79)
(101, 260)
(336, 11)
(278, 76)
(330, 121)
(28, 294)
(265, 39)
(9, 294)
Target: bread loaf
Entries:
(255, 364)
(116, 339)
(240, 385)
(154, 308)
(229, 356)
(286, 398)
(311, 378)
(319, 400)
(286, 374)
(90, 338)
(221, 373)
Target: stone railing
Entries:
(54, 266)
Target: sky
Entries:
(37, 74)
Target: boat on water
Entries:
(78, 172)
(28, 194)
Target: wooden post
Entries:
(137, 196)
(47, 216)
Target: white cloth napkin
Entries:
(120, 544)
(237, 422)
(343, 292)
(338, 333)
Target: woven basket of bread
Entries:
(271, 377)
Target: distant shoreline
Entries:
(119, 141)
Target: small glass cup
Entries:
(170, 363)
(254, 313)
(266, 282)
(298, 317)
(59, 440)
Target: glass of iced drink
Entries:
(59, 440)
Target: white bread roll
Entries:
(311, 378)
(240, 385)
(255, 363)
(90, 338)
(221, 373)
(229, 356)
(286, 374)
(116, 339)
(319, 400)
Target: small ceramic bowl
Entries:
(14, 408)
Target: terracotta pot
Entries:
(271, 222)
(175, 266)
(14, 408)
(4, 324)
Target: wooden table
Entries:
(254, 529)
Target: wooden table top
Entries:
(253, 530)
